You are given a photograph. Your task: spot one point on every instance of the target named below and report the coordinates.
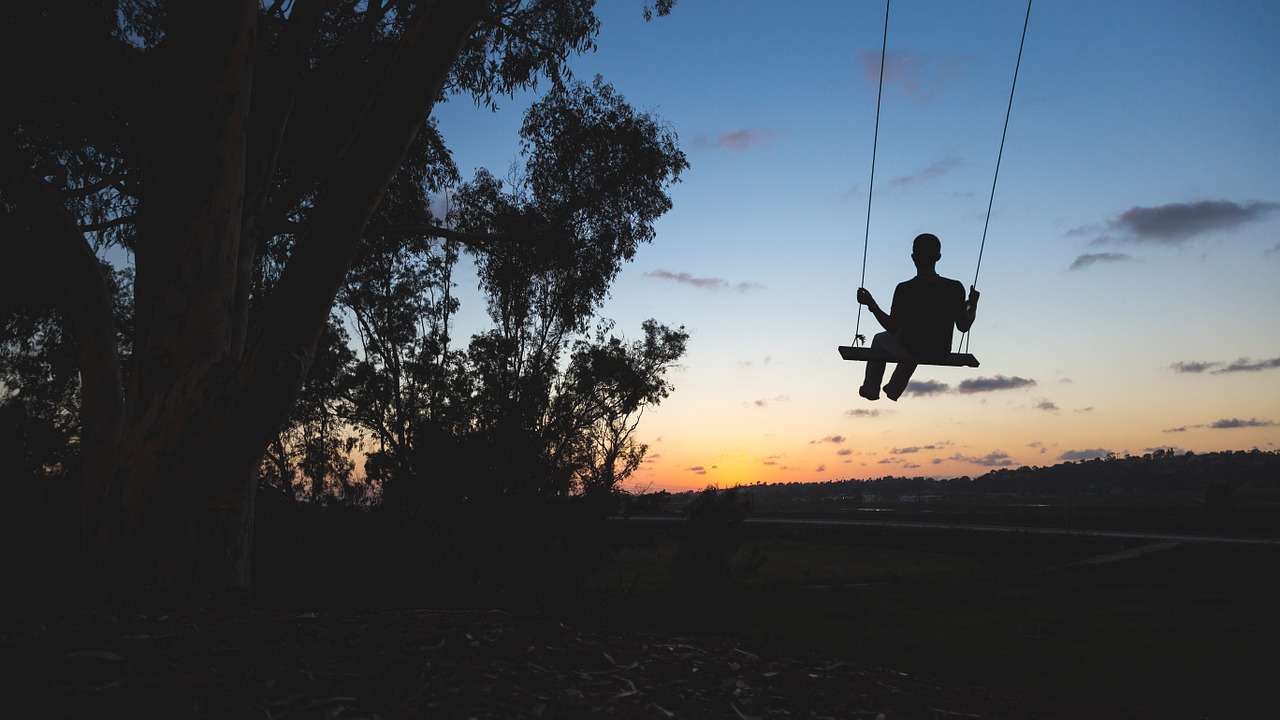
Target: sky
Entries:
(1130, 277)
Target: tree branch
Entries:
(108, 224)
(278, 356)
(273, 100)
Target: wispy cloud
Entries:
(1193, 367)
(1088, 259)
(1178, 223)
(739, 140)
(1047, 406)
(1233, 423)
(927, 387)
(860, 413)
(927, 173)
(913, 74)
(766, 402)
(844, 451)
(1247, 365)
(697, 470)
(702, 283)
(991, 459)
(912, 449)
(991, 384)
(1219, 368)
(1089, 454)
(836, 439)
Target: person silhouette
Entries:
(918, 326)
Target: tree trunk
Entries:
(172, 515)
(199, 412)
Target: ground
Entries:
(89, 656)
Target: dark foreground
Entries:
(92, 658)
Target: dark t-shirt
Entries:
(928, 310)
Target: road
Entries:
(1150, 536)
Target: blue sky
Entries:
(1130, 273)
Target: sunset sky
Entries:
(1131, 276)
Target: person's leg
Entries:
(898, 381)
(875, 370)
(906, 365)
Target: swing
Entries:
(957, 359)
(863, 354)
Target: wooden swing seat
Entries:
(865, 353)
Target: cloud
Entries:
(1233, 423)
(837, 439)
(1177, 223)
(1047, 406)
(1089, 454)
(740, 139)
(821, 468)
(928, 172)
(1219, 368)
(844, 451)
(927, 387)
(862, 413)
(766, 402)
(991, 459)
(999, 382)
(912, 449)
(1193, 367)
(697, 470)
(1247, 365)
(714, 284)
(1175, 430)
(913, 74)
(1088, 259)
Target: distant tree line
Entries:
(1188, 474)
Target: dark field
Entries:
(1184, 631)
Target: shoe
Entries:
(893, 393)
(869, 393)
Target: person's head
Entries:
(926, 247)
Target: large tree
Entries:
(200, 136)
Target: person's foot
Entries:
(893, 393)
(869, 393)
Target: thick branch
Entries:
(274, 92)
(280, 353)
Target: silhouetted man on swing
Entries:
(918, 328)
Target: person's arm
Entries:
(887, 321)
(970, 311)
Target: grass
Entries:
(1192, 631)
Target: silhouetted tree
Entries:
(607, 387)
(204, 136)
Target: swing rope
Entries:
(964, 341)
(875, 140)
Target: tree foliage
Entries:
(265, 167)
